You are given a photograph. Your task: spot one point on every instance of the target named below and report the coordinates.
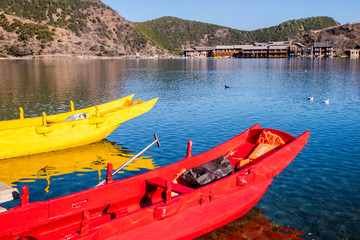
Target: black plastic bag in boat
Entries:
(207, 173)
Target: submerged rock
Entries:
(253, 225)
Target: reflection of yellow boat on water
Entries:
(93, 157)
(71, 129)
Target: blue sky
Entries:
(238, 14)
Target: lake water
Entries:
(318, 193)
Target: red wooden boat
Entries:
(157, 204)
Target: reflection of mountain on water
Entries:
(253, 225)
(93, 157)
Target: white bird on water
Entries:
(326, 101)
(310, 99)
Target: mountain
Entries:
(90, 28)
(68, 27)
(291, 29)
(344, 36)
(175, 34)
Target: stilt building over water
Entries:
(266, 50)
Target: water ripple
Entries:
(317, 193)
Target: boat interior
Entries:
(258, 144)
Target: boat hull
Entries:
(151, 205)
(30, 136)
(188, 224)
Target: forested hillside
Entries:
(90, 28)
(175, 34)
(290, 29)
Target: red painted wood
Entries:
(109, 173)
(160, 182)
(136, 207)
(189, 149)
(24, 199)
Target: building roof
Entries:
(286, 43)
(284, 47)
(357, 46)
(252, 47)
(223, 47)
(323, 44)
(298, 44)
(240, 46)
(204, 48)
(189, 50)
(260, 44)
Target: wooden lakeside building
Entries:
(323, 49)
(278, 49)
(189, 52)
(297, 50)
(252, 51)
(270, 50)
(353, 53)
(224, 51)
(257, 50)
(199, 52)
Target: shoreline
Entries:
(87, 57)
(94, 57)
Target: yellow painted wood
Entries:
(49, 133)
(21, 113)
(52, 166)
(72, 106)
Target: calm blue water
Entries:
(318, 193)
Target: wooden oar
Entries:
(133, 158)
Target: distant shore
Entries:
(90, 57)
(94, 57)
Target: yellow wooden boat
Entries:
(27, 136)
(55, 165)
